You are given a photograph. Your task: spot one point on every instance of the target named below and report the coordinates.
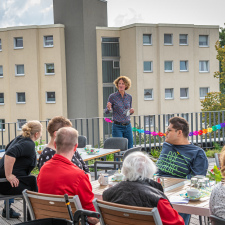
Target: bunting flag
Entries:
(194, 133)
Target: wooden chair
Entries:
(43, 206)
(217, 158)
(118, 214)
(217, 220)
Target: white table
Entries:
(102, 152)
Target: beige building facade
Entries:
(171, 66)
(32, 73)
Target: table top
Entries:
(102, 152)
(172, 187)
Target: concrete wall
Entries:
(80, 18)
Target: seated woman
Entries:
(217, 198)
(55, 124)
(17, 163)
(138, 189)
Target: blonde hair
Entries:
(126, 81)
(66, 139)
(31, 127)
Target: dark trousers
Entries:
(25, 182)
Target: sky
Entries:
(120, 12)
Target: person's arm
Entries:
(168, 215)
(8, 164)
(200, 164)
(108, 108)
(84, 165)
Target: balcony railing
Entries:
(97, 129)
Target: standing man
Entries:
(180, 158)
(60, 176)
(120, 104)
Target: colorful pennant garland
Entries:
(195, 133)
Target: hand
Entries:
(109, 106)
(131, 111)
(13, 180)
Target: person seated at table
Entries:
(60, 176)
(17, 163)
(138, 189)
(217, 198)
(180, 158)
(49, 151)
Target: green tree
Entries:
(214, 101)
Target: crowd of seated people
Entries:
(62, 169)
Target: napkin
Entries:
(178, 200)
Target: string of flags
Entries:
(194, 133)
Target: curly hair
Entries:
(126, 81)
(31, 127)
(57, 122)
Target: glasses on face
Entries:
(169, 130)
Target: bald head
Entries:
(66, 139)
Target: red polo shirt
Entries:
(60, 176)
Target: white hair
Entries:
(138, 165)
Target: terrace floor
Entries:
(18, 207)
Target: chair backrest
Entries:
(112, 213)
(217, 158)
(82, 141)
(131, 150)
(217, 220)
(49, 206)
(116, 143)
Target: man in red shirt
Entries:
(60, 176)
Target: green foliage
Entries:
(214, 101)
(101, 144)
(155, 152)
(35, 171)
(215, 174)
(211, 152)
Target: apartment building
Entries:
(171, 66)
(32, 74)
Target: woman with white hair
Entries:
(138, 189)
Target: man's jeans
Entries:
(123, 131)
(186, 217)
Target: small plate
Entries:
(92, 152)
(114, 179)
(194, 199)
(199, 176)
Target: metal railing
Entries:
(97, 130)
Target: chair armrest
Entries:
(106, 162)
(3, 180)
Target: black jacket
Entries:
(142, 193)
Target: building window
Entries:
(48, 41)
(185, 116)
(19, 70)
(184, 93)
(147, 39)
(110, 47)
(2, 124)
(50, 97)
(149, 120)
(183, 65)
(2, 99)
(0, 44)
(20, 123)
(183, 39)
(167, 118)
(49, 68)
(116, 64)
(169, 93)
(18, 42)
(168, 39)
(109, 72)
(203, 92)
(147, 66)
(148, 94)
(168, 66)
(203, 40)
(203, 66)
(20, 97)
(1, 71)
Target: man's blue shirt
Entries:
(182, 161)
